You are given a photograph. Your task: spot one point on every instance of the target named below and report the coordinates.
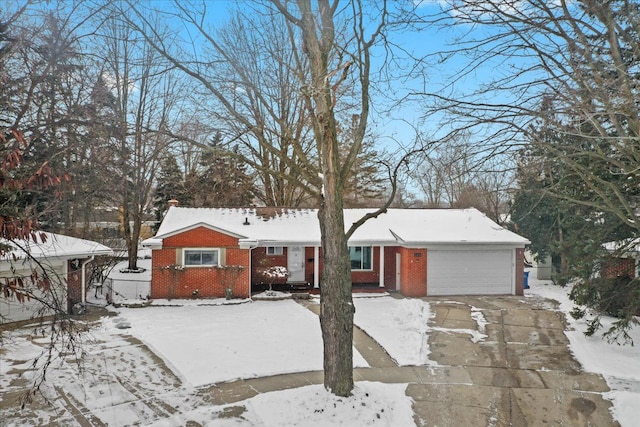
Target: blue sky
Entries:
(395, 128)
(390, 125)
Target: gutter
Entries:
(247, 244)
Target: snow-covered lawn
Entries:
(225, 337)
(205, 344)
(215, 343)
(399, 325)
(372, 404)
(618, 364)
(131, 286)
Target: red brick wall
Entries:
(209, 282)
(413, 272)
(520, 271)
(619, 267)
(260, 261)
(74, 286)
(200, 237)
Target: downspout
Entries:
(381, 283)
(84, 279)
(316, 267)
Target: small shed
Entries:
(50, 272)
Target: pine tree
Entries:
(170, 185)
(223, 180)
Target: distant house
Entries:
(62, 258)
(624, 259)
(417, 252)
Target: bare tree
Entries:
(331, 49)
(453, 174)
(566, 87)
(146, 107)
(577, 58)
(258, 73)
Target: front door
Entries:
(295, 263)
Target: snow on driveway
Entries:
(618, 364)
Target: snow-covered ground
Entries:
(131, 286)
(618, 364)
(399, 325)
(372, 404)
(225, 339)
(239, 341)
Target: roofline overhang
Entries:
(152, 243)
(247, 243)
(252, 243)
(66, 256)
(438, 245)
(196, 225)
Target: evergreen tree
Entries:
(223, 180)
(170, 185)
(43, 93)
(365, 184)
(552, 204)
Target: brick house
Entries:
(202, 252)
(64, 259)
(623, 260)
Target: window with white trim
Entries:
(274, 250)
(361, 257)
(201, 257)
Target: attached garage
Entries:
(417, 252)
(471, 272)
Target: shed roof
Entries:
(53, 246)
(282, 226)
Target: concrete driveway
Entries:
(521, 374)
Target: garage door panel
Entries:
(479, 272)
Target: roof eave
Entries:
(196, 225)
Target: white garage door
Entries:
(479, 272)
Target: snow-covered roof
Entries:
(622, 247)
(53, 246)
(282, 227)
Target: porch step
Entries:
(295, 286)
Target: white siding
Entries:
(12, 310)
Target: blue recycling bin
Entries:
(526, 280)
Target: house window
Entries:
(274, 250)
(195, 257)
(360, 257)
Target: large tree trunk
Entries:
(336, 304)
(132, 244)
